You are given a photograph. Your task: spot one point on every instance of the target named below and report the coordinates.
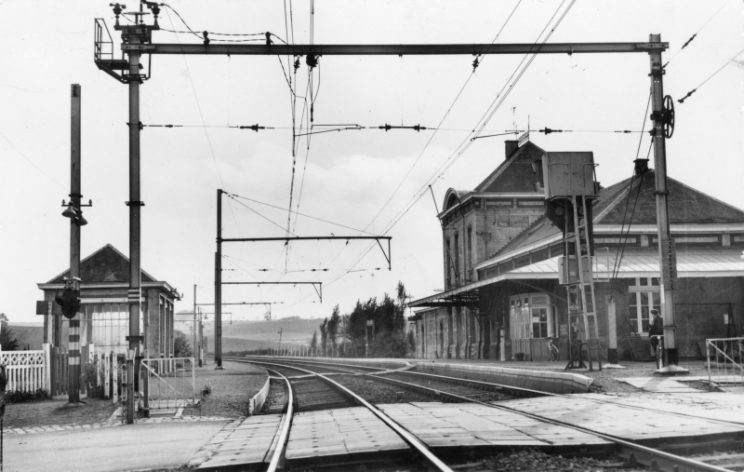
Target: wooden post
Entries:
(47, 348)
(611, 331)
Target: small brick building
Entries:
(502, 299)
(104, 310)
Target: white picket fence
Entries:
(27, 371)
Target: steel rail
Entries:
(303, 361)
(281, 438)
(406, 371)
(672, 461)
(551, 394)
(408, 437)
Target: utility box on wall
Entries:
(568, 272)
(568, 174)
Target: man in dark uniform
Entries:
(656, 329)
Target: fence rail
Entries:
(26, 371)
(169, 383)
(725, 360)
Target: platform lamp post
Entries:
(70, 298)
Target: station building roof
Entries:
(106, 267)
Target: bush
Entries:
(15, 396)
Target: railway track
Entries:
(466, 390)
(312, 395)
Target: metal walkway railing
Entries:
(169, 383)
(725, 360)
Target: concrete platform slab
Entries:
(659, 384)
(465, 424)
(133, 447)
(623, 420)
(247, 443)
(722, 406)
(317, 434)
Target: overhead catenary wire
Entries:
(485, 118)
(277, 207)
(707, 79)
(386, 127)
(439, 124)
(259, 36)
(696, 33)
(259, 214)
(624, 239)
(465, 143)
(207, 136)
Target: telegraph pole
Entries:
(73, 348)
(218, 287)
(195, 346)
(663, 118)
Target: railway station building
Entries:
(104, 321)
(502, 299)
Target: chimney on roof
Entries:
(510, 147)
(641, 166)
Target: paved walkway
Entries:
(134, 447)
(158, 443)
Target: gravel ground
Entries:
(528, 460)
(378, 392)
(230, 389)
(56, 412)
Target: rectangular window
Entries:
(530, 316)
(457, 259)
(110, 326)
(540, 322)
(642, 298)
(448, 262)
(469, 255)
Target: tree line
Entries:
(373, 328)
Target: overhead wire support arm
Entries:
(318, 286)
(300, 238)
(392, 49)
(387, 254)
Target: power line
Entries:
(259, 214)
(29, 160)
(493, 107)
(723, 66)
(643, 125)
(387, 127)
(465, 144)
(199, 109)
(624, 239)
(259, 36)
(441, 121)
(694, 35)
(277, 207)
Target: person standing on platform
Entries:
(656, 330)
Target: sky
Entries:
(349, 182)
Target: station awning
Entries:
(635, 262)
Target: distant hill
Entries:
(250, 335)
